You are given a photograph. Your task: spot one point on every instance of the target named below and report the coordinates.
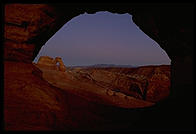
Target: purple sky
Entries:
(103, 38)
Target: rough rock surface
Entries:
(31, 103)
(151, 83)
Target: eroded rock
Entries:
(61, 66)
(47, 62)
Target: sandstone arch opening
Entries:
(23, 41)
(109, 51)
(103, 38)
(57, 64)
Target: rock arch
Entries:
(50, 63)
(28, 27)
(61, 66)
(163, 23)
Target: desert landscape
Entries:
(123, 87)
(66, 98)
(51, 95)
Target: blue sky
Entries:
(103, 38)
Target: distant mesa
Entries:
(105, 66)
(47, 62)
(112, 65)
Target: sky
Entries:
(103, 38)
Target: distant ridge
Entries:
(105, 66)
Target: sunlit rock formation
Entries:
(61, 66)
(92, 84)
(47, 62)
(150, 83)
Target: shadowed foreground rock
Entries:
(31, 103)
